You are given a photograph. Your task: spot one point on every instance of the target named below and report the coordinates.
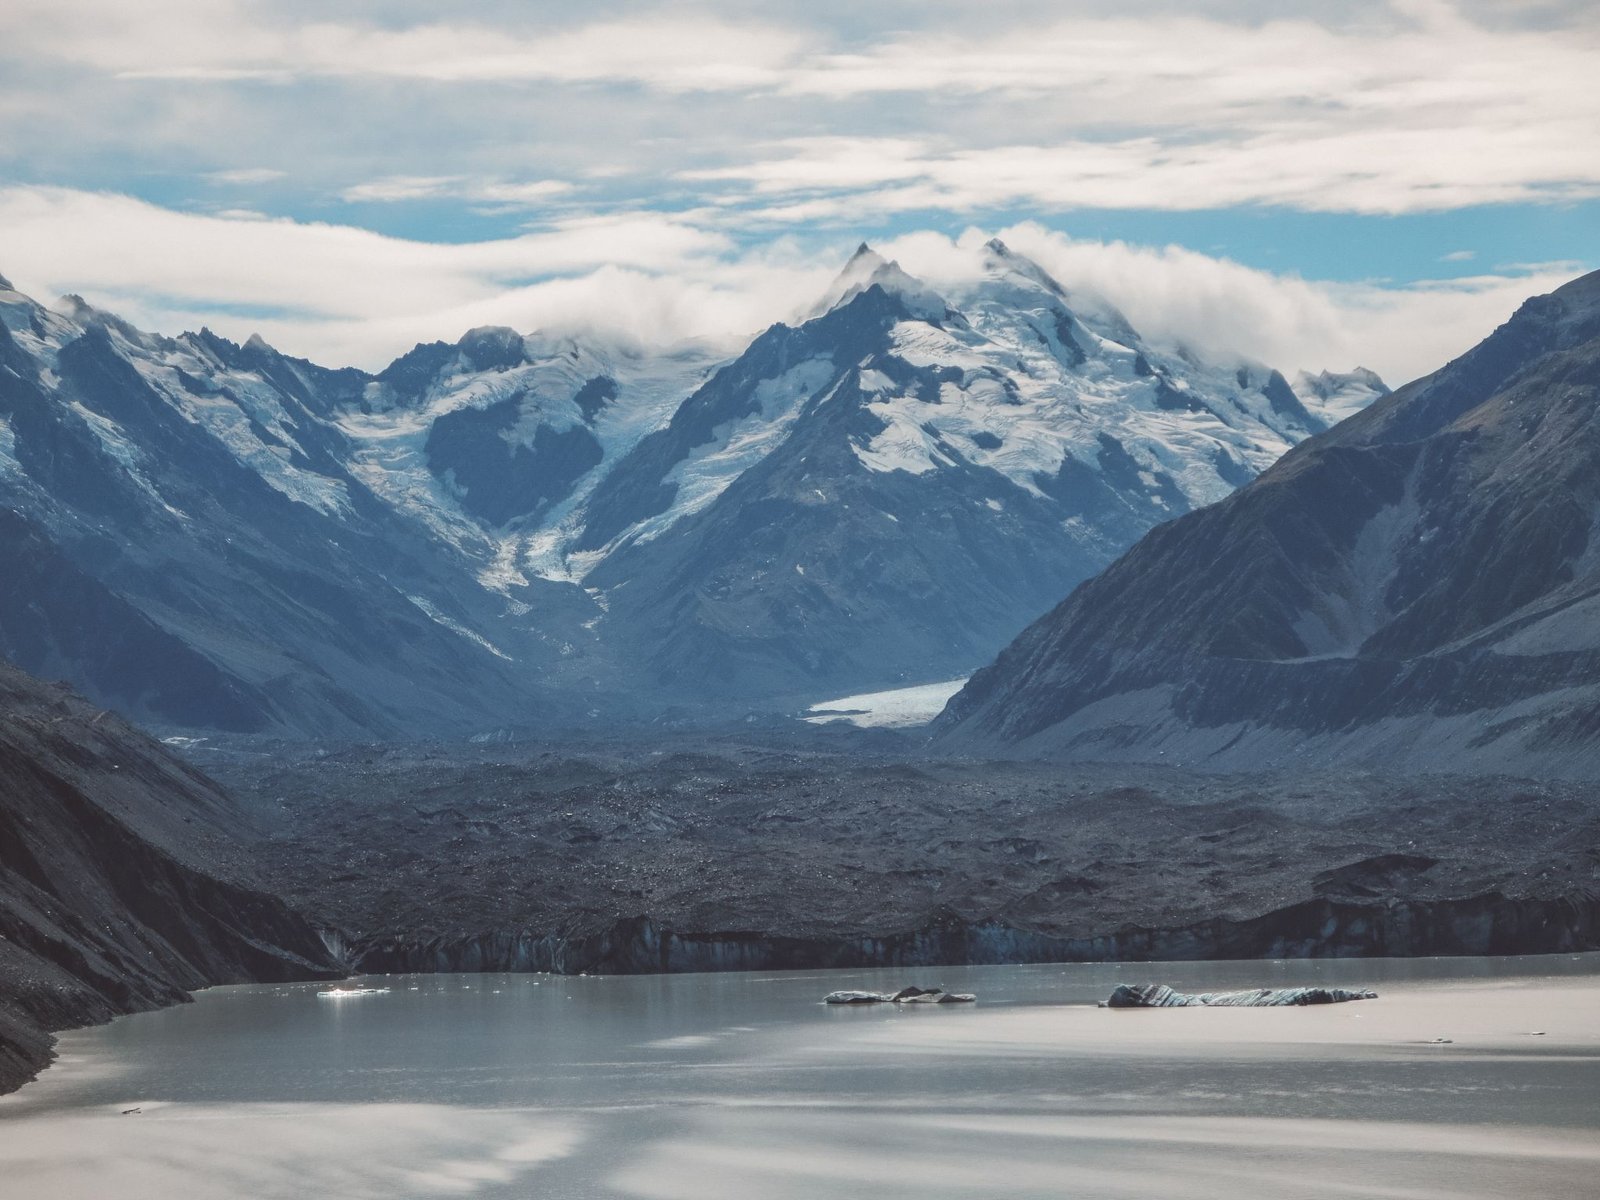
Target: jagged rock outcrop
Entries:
(121, 887)
(1159, 995)
(1418, 587)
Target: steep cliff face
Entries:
(120, 886)
(1419, 585)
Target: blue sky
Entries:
(1310, 185)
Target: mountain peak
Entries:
(1325, 383)
(867, 269)
(493, 347)
(1000, 261)
(1008, 278)
(1335, 395)
(75, 308)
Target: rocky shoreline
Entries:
(123, 886)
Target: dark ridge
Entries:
(1427, 561)
(121, 887)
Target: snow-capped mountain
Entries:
(1419, 586)
(887, 491)
(496, 442)
(1335, 395)
(187, 539)
(883, 492)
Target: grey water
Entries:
(1466, 1078)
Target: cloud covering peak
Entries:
(1298, 181)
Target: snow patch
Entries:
(1334, 396)
(240, 403)
(391, 441)
(738, 445)
(1034, 386)
(898, 708)
(456, 627)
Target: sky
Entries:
(1309, 185)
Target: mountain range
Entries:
(1419, 586)
(512, 529)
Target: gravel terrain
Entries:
(720, 836)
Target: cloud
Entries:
(1372, 171)
(395, 188)
(1415, 106)
(225, 42)
(344, 295)
(347, 295)
(245, 175)
(1224, 309)
(117, 246)
(1459, 256)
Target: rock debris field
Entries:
(723, 836)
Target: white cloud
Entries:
(245, 175)
(1371, 170)
(110, 245)
(1224, 309)
(230, 42)
(396, 188)
(340, 295)
(346, 295)
(1459, 256)
(1413, 106)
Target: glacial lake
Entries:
(744, 1085)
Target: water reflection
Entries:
(733, 1085)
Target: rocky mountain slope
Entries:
(886, 492)
(192, 542)
(121, 887)
(214, 535)
(1418, 586)
(511, 530)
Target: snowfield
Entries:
(898, 708)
